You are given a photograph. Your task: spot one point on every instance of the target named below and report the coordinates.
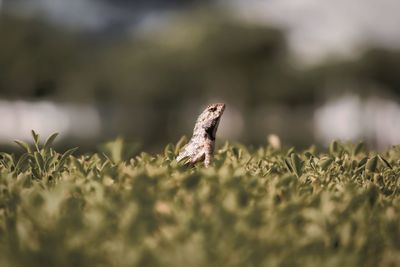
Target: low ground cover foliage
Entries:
(253, 207)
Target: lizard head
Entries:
(215, 110)
(209, 119)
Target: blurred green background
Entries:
(94, 70)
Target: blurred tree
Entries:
(381, 66)
(152, 78)
(34, 57)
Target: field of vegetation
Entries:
(254, 207)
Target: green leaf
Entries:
(68, 153)
(362, 162)
(236, 152)
(21, 162)
(5, 161)
(23, 145)
(36, 174)
(65, 156)
(51, 160)
(106, 164)
(287, 179)
(39, 161)
(325, 163)
(6, 156)
(78, 165)
(385, 162)
(290, 151)
(108, 159)
(118, 150)
(308, 155)
(287, 165)
(334, 147)
(169, 151)
(35, 140)
(180, 144)
(49, 141)
(297, 164)
(358, 148)
(372, 164)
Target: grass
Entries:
(261, 207)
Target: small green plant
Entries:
(252, 207)
(42, 161)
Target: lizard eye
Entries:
(213, 109)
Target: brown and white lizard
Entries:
(201, 145)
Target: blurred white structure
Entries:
(349, 117)
(321, 28)
(274, 141)
(18, 118)
(87, 14)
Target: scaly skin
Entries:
(201, 145)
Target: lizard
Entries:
(201, 145)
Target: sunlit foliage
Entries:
(253, 207)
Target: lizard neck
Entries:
(204, 134)
(206, 130)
